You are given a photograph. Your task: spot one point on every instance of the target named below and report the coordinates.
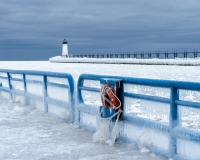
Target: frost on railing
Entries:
(4, 82)
(188, 95)
(147, 109)
(59, 111)
(59, 93)
(56, 92)
(146, 137)
(188, 149)
(17, 85)
(57, 80)
(34, 88)
(189, 117)
(33, 77)
(147, 90)
(92, 83)
(19, 76)
(2, 74)
(91, 98)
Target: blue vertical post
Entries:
(105, 112)
(71, 98)
(173, 120)
(45, 93)
(118, 85)
(9, 85)
(25, 90)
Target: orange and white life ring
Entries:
(109, 98)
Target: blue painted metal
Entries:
(117, 84)
(57, 84)
(173, 120)
(147, 97)
(2, 77)
(25, 89)
(45, 99)
(45, 93)
(173, 130)
(105, 112)
(188, 104)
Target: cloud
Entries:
(36, 28)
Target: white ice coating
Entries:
(187, 95)
(35, 88)
(147, 90)
(188, 149)
(143, 71)
(88, 119)
(34, 77)
(18, 99)
(147, 109)
(27, 133)
(3, 74)
(58, 80)
(102, 131)
(5, 95)
(58, 93)
(19, 76)
(17, 85)
(4, 82)
(91, 98)
(59, 111)
(92, 83)
(189, 117)
(36, 104)
(146, 137)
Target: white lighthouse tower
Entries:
(65, 48)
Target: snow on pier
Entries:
(27, 133)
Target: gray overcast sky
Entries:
(34, 29)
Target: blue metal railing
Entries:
(173, 130)
(8, 75)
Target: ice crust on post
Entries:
(106, 131)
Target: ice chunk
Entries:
(145, 140)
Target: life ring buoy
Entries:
(109, 98)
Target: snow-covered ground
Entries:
(187, 73)
(29, 134)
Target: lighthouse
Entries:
(65, 48)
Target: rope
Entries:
(113, 135)
(103, 96)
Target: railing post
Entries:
(135, 55)
(9, 85)
(173, 120)
(25, 90)
(45, 93)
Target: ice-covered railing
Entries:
(50, 92)
(161, 115)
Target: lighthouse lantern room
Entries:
(65, 48)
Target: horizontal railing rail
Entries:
(12, 76)
(173, 130)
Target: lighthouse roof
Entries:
(64, 41)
